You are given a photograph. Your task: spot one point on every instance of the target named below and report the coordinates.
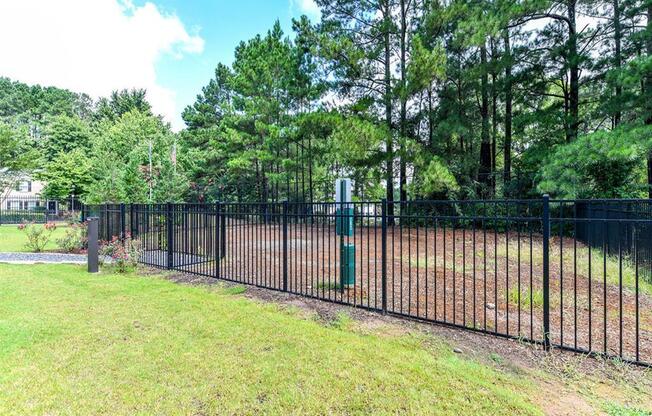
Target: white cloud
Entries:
(307, 7)
(92, 46)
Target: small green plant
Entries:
(235, 290)
(342, 321)
(496, 358)
(124, 252)
(71, 217)
(615, 409)
(527, 298)
(597, 261)
(75, 238)
(37, 236)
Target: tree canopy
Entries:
(430, 99)
(410, 98)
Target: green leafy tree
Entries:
(121, 102)
(65, 134)
(68, 173)
(17, 156)
(133, 182)
(128, 158)
(171, 185)
(107, 184)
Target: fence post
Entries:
(222, 232)
(285, 246)
(218, 243)
(107, 222)
(384, 254)
(170, 235)
(546, 271)
(131, 220)
(123, 220)
(83, 213)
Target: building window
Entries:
(24, 186)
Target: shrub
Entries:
(124, 253)
(75, 238)
(37, 236)
(71, 217)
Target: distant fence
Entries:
(19, 209)
(572, 274)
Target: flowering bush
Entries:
(37, 236)
(75, 239)
(124, 252)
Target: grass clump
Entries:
(527, 297)
(234, 290)
(577, 258)
(497, 358)
(615, 409)
(342, 321)
(614, 267)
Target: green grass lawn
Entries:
(12, 239)
(73, 343)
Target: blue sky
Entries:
(169, 47)
(222, 24)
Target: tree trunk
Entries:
(403, 98)
(507, 151)
(494, 117)
(573, 66)
(485, 146)
(617, 59)
(310, 182)
(388, 116)
(431, 143)
(648, 93)
(460, 110)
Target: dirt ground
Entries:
(570, 384)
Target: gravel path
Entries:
(31, 258)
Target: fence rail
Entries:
(571, 274)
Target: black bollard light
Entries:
(93, 245)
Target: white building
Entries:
(25, 194)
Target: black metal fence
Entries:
(19, 209)
(571, 274)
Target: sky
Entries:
(169, 47)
